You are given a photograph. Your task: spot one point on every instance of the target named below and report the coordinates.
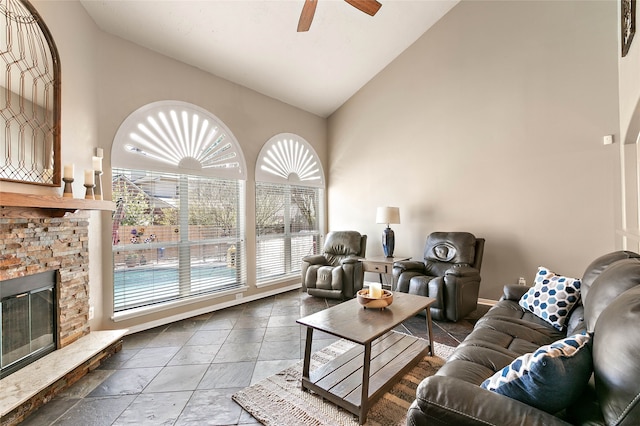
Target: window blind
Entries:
(175, 236)
(286, 228)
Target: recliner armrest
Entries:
(349, 260)
(315, 259)
(514, 292)
(447, 400)
(409, 265)
(462, 270)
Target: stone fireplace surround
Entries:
(34, 240)
(32, 245)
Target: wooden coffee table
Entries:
(357, 378)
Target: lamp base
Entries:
(388, 241)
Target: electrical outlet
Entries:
(238, 296)
(92, 312)
(522, 281)
(607, 140)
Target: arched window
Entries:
(179, 185)
(289, 206)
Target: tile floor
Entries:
(184, 373)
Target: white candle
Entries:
(97, 164)
(89, 178)
(68, 171)
(99, 152)
(375, 290)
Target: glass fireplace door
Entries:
(27, 321)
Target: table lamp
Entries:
(388, 215)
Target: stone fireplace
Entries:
(31, 245)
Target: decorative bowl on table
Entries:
(372, 302)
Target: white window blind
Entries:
(289, 206)
(175, 236)
(286, 228)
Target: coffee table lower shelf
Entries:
(341, 380)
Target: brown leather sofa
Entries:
(450, 273)
(609, 310)
(336, 273)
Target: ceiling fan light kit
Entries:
(370, 7)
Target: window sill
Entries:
(146, 310)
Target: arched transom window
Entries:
(288, 159)
(289, 206)
(178, 230)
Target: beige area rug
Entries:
(279, 400)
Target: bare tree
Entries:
(270, 209)
(305, 199)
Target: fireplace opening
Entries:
(27, 320)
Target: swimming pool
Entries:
(150, 284)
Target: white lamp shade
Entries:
(388, 215)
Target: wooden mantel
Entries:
(55, 204)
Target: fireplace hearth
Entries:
(27, 320)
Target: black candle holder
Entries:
(89, 194)
(68, 188)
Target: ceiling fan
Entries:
(370, 7)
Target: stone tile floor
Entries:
(184, 373)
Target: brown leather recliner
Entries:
(450, 273)
(336, 273)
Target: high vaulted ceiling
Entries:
(254, 43)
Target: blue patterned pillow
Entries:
(552, 297)
(551, 378)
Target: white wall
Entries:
(492, 122)
(628, 191)
(629, 68)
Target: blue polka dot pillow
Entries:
(552, 297)
(551, 378)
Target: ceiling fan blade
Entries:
(370, 7)
(306, 16)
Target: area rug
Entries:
(279, 400)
